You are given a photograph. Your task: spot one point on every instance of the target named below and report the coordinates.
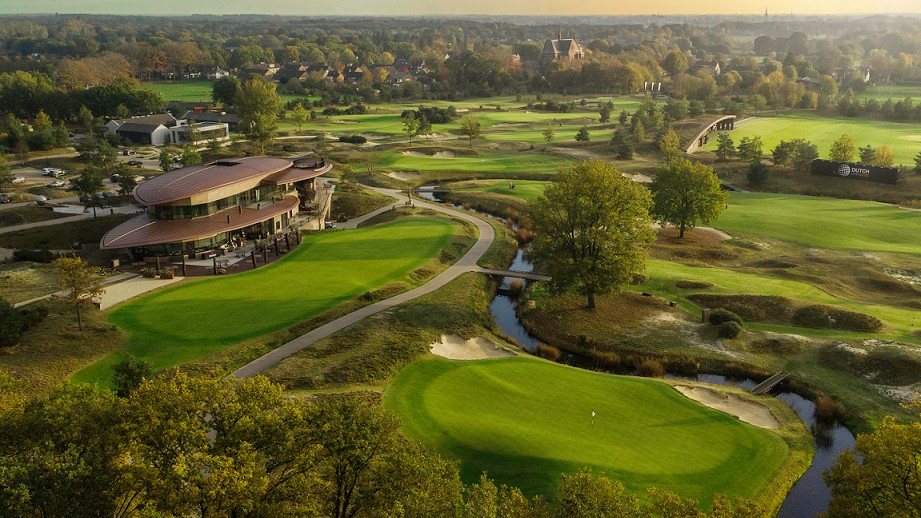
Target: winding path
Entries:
(467, 263)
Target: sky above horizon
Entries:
(429, 7)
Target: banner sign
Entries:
(858, 171)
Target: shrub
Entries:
(353, 139)
(650, 368)
(825, 408)
(829, 317)
(38, 256)
(639, 278)
(548, 352)
(693, 285)
(606, 360)
(719, 315)
(730, 329)
(10, 324)
(32, 315)
(748, 307)
(129, 374)
(515, 289)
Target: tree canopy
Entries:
(592, 228)
(686, 194)
(258, 105)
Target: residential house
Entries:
(560, 49)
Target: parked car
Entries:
(57, 183)
(19, 179)
(108, 194)
(135, 163)
(330, 225)
(53, 171)
(173, 167)
(115, 178)
(5, 198)
(139, 179)
(128, 152)
(41, 200)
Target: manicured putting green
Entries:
(527, 190)
(189, 321)
(824, 222)
(525, 421)
(904, 138)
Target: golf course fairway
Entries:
(194, 319)
(526, 421)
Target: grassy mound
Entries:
(525, 421)
(829, 317)
(358, 203)
(749, 307)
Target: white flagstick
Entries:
(593, 420)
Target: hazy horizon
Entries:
(470, 7)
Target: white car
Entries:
(57, 183)
(19, 179)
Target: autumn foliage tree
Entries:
(592, 228)
(686, 194)
(81, 282)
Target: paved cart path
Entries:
(467, 263)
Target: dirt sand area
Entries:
(732, 404)
(478, 348)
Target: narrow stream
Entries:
(809, 497)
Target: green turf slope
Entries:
(526, 421)
(194, 319)
(823, 222)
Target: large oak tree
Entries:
(592, 229)
(686, 194)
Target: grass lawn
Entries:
(522, 162)
(901, 323)
(196, 318)
(27, 214)
(894, 92)
(904, 138)
(823, 222)
(526, 421)
(527, 190)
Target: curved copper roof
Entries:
(143, 231)
(189, 181)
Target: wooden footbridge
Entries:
(529, 276)
(765, 386)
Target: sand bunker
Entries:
(404, 176)
(440, 154)
(732, 404)
(456, 348)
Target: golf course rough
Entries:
(527, 421)
(194, 319)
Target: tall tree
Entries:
(6, 173)
(582, 136)
(867, 154)
(81, 282)
(258, 105)
(883, 156)
(843, 149)
(604, 114)
(548, 134)
(470, 127)
(190, 156)
(622, 142)
(86, 121)
(592, 228)
(299, 115)
(670, 145)
(725, 147)
(411, 125)
(751, 149)
(225, 90)
(88, 186)
(880, 477)
(687, 193)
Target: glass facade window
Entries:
(263, 193)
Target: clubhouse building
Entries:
(196, 212)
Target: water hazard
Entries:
(809, 496)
